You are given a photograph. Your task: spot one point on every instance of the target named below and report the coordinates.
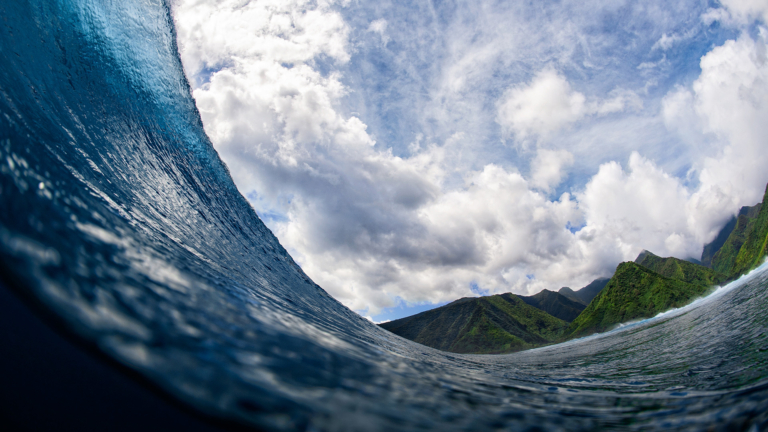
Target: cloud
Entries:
(744, 11)
(213, 34)
(379, 26)
(725, 115)
(731, 99)
(548, 104)
(666, 42)
(547, 168)
(545, 105)
(643, 206)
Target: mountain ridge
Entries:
(492, 324)
(634, 292)
(682, 270)
(587, 293)
(555, 304)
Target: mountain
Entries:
(633, 292)
(494, 324)
(747, 244)
(555, 304)
(586, 294)
(681, 270)
(711, 248)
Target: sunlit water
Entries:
(118, 216)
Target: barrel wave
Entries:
(120, 219)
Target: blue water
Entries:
(118, 216)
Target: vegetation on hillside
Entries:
(725, 258)
(495, 324)
(685, 271)
(633, 292)
(710, 249)
(747, 244)
(586, 294)
(555, 304)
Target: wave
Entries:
(120, 218)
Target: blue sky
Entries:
(411, 153)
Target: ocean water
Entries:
(118, 217)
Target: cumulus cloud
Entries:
(293, 104)
(213, 34)
(640, 206)
(548, 166)
(548, 104)
(731, 98)
(545, 105)
(724, 112)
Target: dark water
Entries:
(118, 216)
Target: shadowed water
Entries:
(119, 218)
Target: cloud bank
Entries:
(411, 154)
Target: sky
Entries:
(410, 153)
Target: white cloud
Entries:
(619, 100)
(746, 10)
(725, 114)
(379, 26)
(666, 42)
(644, 208)
(548, 104)
(731, 98)
(545, 105)
(547, 168)
(213, 34)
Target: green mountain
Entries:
(685, 271)
(495, 324)
(586, 294)
(555, 304)
(633, 292)
(710, 249)
(747, 244)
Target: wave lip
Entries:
(120, 219)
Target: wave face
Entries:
(119, 218)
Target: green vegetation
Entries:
(495, 324)
(555, 304)
(747, 244)
(711, 248)
(725, 259)
(633, 292)
(685, 271)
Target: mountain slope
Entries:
(725, 258)
(747, 244)
(586, 294)
(711, 248)
(494, 324)
(555, 304)
(633, 292)
(755, 247)
(685, 271)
